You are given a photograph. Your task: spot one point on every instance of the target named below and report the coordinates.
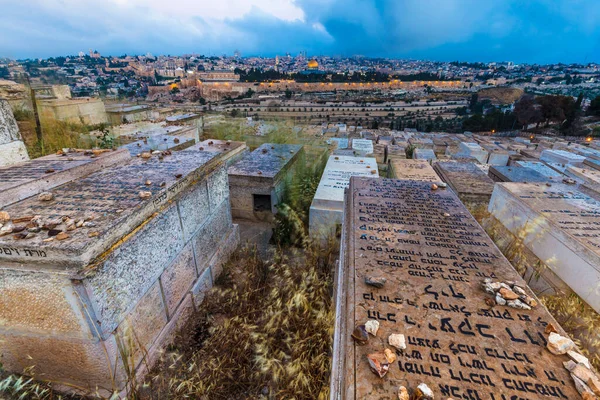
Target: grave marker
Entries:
(472, 185)
(434, 257)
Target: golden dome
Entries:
(313, 64)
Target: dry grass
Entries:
(264, 333)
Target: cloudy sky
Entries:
(535, 31)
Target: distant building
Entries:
(219, 76)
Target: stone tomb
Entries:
(542, 168)
(472, 185)
(561, 157)
(257, 180)
(41, 174)
(516, 174)
(158, 143)
(231, 149)
(362, 147)
(125, 271)
(434, 257)
(589, 177)
(424, 154)
(327, 208)
(413, 170)
(560, 226)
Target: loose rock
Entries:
(146, 155)
(145, 195)
(360, 335)
(378, 363)
(62, 236)
(390, 356)
(558, 344)
(4, 217)
(377, 282)
(372, 326)
(397, 340)
(403, 393)
(423, 392)
(500, 300)
(434, 187)
(508, 294)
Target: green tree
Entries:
(594, 108)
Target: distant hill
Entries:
(500, 95)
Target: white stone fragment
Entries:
(558, 344)
(372, 327)
(579, 358)
(397, 340)
(518, 304)
(500, 300)
(425, 391)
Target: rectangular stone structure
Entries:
(42, 174)
(231, 150)
(158, 143)
(473, 186)
(327, 208)
(561, 157)
(540, 167)
(474, 150)
(115, 265)
(413, 170)
(424, 154)
(589, 177)
(434, 257)
(257, 180)
(362, 146)
(516, 174)
(561, 227)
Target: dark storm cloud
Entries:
(522, 31)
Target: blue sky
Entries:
(534, 31)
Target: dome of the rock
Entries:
(313, 64)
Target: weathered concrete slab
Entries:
(29, 178)
(474, 150)
(561, 157)
(589, 177)
(232, 151)
(158, 143)
(267, 161)
(472, 185)
(542, 168)
(110, 197)
(516, 174)
(560, 225)
(434, 257)
(424, 154)
(326, 210)
(414, 170)
(362, 146)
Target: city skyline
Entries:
(539, 32)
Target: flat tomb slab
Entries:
(362, 146)
(110, 199)
(434, 266)
(541, 168)
(328, 204)
(414, 170)
(28, 178)
(267, 161)
(516, 174)
(588, 176)
(158, 143)
(467, 180)
(561, 226)
(226, 149)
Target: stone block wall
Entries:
(81, 327)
